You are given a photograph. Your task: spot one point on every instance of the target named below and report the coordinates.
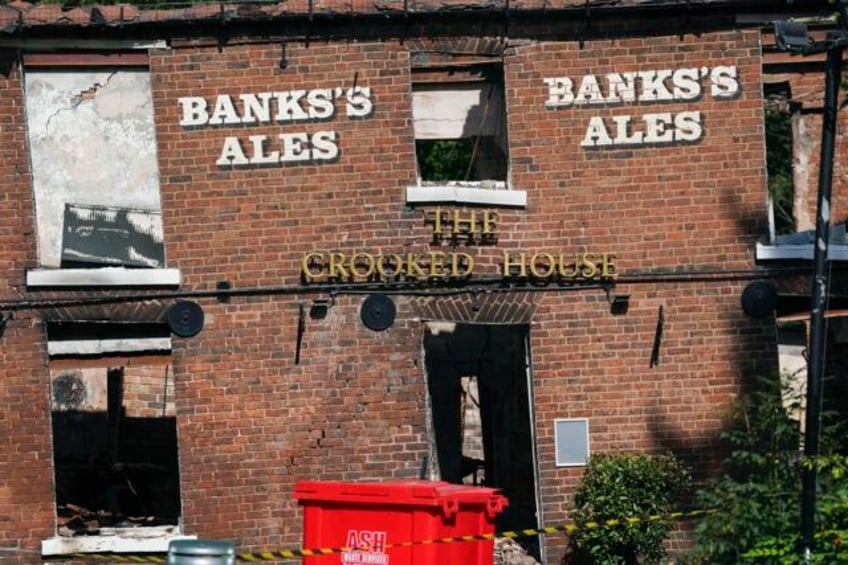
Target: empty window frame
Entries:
(459, 116)
(115, 449)
(780, 115)
(114, 429)
(93, 149)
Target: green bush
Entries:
(617, 486)
(757, 500)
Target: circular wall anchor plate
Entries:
(378, 312)
(759, 299)
(185, 318)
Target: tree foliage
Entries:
(757, 500)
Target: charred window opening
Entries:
(779, 157)
(459, 115)
(114, 432)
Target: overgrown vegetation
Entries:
(443, 160)
(758, 498)
(618, 485)
(779, 164)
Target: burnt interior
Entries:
(484, 367)
(112, 469)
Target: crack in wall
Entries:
(84, 95)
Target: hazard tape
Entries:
(298, 553)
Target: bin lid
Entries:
(400, 492)
(195, 547)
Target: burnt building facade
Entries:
(245, 245)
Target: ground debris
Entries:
(75, 520)
(509, 552)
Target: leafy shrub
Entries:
(758, 498)
(617, 486)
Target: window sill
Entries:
(790, 252)
(115, 540)
(106, 276)
(465, 195)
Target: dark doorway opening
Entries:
(481, 411)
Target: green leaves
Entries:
(758, 499)
(618, 486)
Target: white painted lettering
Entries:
(724, 82)
(321, 104)
(687, 126)
(653, 86)
(359, 104)
(257, 108)
(622, 132)
(224, 111)
(622, 87)
(324, 146)
(656, 128)
(259, 155)
(289, 106)
(686, 84)
(589, 92)
(294, 147)
(232, 154)
(193, 111)
(596, 134)
(560, 92)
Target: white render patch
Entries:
(92, 142)
(465, 195)
(454, 111)
(106, 276)
(115, 540)
(101, 346)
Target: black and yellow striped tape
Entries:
(298, 553)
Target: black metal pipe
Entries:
(819, 294)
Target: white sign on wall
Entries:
(278, 107)
(688, 84)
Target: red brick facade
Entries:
(681, 218)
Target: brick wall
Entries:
(26, 482)
(251, 421)
(695, 207)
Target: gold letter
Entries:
(471, 221)
(608, 266)
(437, 259)
(507, 265)
(307, 263)
(589, 269)
(412, 265)
(337, 262)
(490, 221)
(369, 262)
(550, 265)
(437, 222)
(563, 268)
(456, 263)
(381, 265)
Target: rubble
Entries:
(509, 552)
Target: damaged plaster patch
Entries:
(92, 142)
